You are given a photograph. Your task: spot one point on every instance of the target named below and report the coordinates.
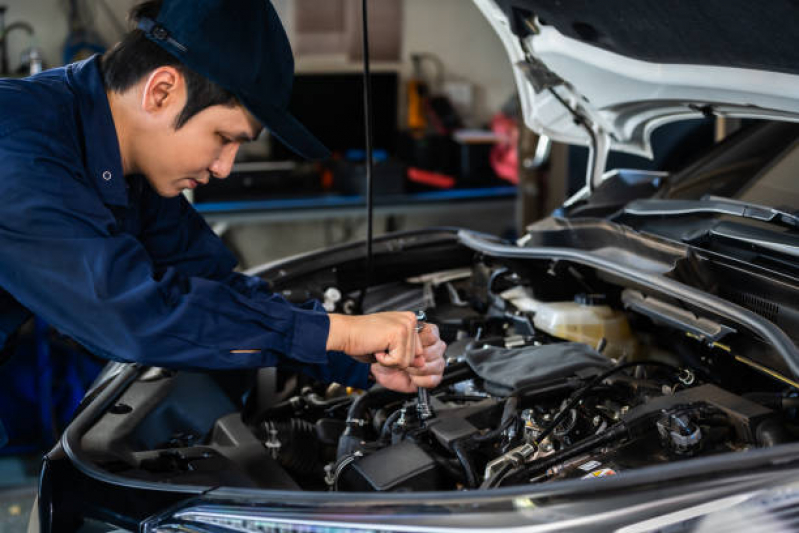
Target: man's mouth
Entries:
(193, 183)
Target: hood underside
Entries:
(607, 74)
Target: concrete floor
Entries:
(18, 479)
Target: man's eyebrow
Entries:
(244, 138)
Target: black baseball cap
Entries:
(240, 45)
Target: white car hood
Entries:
(623, 99)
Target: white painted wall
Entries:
(453, 30)
(49, 20)
(457, 32)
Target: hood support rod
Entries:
(597, 150)
(367, 100)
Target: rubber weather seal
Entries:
(707, 302)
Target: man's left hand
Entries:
(426, 370)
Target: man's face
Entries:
(172, 159)
(203, 148)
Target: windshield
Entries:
(778, 185)
(758, 165)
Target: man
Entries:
(97, 239)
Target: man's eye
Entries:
(225, 140)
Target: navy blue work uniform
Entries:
(130, 275)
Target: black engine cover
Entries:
(402, 467)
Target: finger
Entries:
(435, 352)
(408, 387)
(418, 362)
(426, 382)
(391, 359)
(369, 358)
(429, 335)
(434, 361)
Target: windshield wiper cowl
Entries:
(710, 205)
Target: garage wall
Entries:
(452, 29)
(457, 32)
(49, 20)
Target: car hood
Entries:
(607, 74)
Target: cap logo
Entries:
(159, 33)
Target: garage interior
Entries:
(314, 206)
(450, 151)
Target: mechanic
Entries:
(97, 239)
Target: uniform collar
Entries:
(100, 143)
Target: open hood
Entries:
(607, 74)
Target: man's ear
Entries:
(164, 92)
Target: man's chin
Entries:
(170, 193)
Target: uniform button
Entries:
(107, 175)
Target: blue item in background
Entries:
(42, 385)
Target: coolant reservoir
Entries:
(587, 320)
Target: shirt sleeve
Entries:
(176, 236)
(63, 256)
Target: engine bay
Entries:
(557, 376)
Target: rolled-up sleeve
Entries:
(64, 257)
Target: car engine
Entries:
(534, 391)
(551, 374)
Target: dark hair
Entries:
(136, 56)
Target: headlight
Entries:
(229, 519)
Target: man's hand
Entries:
(390, 339)
(426, 371)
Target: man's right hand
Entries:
(386, 338)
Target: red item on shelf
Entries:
(433, 179)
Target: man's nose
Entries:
(223, 164)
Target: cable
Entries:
(385, 433)
(591, 384)
(459, 448)
(508, 417)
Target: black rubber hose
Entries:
(591, 384)
(352, 437)
(773, 400)
(508, 416)
(291, 407)
(299, 451)
(319, 402)
(459, 447)
(385, 433)
(454, 373)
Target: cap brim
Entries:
(288, 130)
